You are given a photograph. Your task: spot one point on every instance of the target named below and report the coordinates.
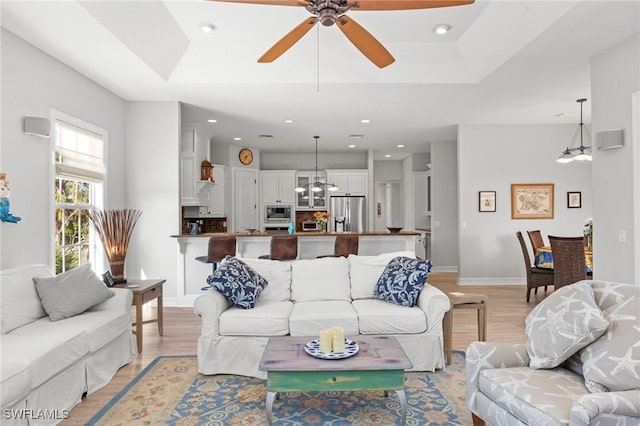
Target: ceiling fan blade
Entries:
(407, 4)
(288, 40)
(269, 2)
(365, 42)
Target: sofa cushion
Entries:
(611, 362)
(277, 274)
(402, 280)
(267, 318)
(238, 282)
(320, 279)
(381, 317)
(71, 292)
(308, 318)
(365, 271)
(535, 397)
(20, 304)
(562, 324)
(47, 354)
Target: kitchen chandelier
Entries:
(316, 185)
(582, 152)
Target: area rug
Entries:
(170, 391)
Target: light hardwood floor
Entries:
(506, 309)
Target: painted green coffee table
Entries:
(379, 365)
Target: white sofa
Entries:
(46, 366)
(306, 296)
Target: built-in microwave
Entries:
(309, 225)
(277, 213)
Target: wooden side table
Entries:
(146, 291)
(464, 301)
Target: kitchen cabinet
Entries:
(349, 182)
(211, 194)
(194, 148)
(310, 200)
(277, 186)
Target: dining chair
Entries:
(344, 245)
(283, 247)
(569, 263)
(537, 241)
(536, 277)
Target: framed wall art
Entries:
(574, 200)
(487, 201)
(531, 201)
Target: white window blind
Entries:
(79, 152)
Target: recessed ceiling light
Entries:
(441, 29)
(356, 136)
(289, 121)
(212, 120)
(365, 121)
(400, 146)
(237, 139)
(387, 155)
(207, 28)
(352, 146)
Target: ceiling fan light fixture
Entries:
(442, 29)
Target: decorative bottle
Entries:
(292, 227)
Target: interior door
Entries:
(245, 194)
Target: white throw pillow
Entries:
(320, 279)
(20, 304)
(71, 292)
(277, 273)
(562, 324)
(364, 272)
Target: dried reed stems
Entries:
(115, 228)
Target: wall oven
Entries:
(278, 213)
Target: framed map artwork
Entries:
(532, 201)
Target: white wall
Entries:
(615, 76)
(306, 161)
(407, 193)
(491, 158)
(444, 206)
(34, 83)
(153, 186)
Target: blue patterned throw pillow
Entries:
(402, 280)
(238, 282)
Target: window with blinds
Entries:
(80, 171)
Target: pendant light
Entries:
(582, 152)
(316, 185)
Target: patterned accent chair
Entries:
(580, 365)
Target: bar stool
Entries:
(218, 249)
(344, 245)
(283, 247)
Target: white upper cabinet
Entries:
(311, 200)
(211, 194)
(349, 182)
(277, 186)
(194, 148)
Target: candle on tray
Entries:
(338, 339)
(326, 341)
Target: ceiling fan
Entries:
(330, 12)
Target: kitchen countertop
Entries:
(299, 234)
(427, 230)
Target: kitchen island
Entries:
(192, 274)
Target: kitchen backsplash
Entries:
(209, 225)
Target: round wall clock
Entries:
(245, 156)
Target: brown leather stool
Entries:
(283, 247)
(344, 245)
(219, 248)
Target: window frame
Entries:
(97, 194)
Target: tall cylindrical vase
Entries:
(117, 269)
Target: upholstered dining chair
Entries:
(218, 248)
(537, 241)
(569, 263)
(283, 247)
(536, 277)
(344, 245)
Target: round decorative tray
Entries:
(313, 348)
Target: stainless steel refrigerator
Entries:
(348, 214)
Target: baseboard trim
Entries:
(444, 269)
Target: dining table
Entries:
(544, 258)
